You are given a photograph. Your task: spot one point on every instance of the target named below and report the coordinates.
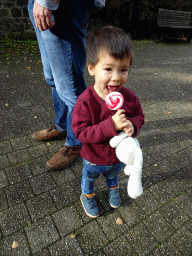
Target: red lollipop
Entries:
(114, 100)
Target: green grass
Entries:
(11, 47)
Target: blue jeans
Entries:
(91, 172)
(63, 57)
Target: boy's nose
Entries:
(116, 77)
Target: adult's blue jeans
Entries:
(91, 172)
(63, 57)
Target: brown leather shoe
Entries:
(63, 158)
(49, 134)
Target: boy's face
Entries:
(110, 74)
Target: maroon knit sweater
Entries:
(92, 124)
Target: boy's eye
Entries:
(108, 69)
(124, 70)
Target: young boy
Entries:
(109, 56)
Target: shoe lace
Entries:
(51, 128)
(66, 150)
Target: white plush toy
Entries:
(129, 152)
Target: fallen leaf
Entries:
(35, 117)
(169, 113)
(15, 245)
(73, 235)
(119, 221)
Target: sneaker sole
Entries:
(87, 212)
(113, 206)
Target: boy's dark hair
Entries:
(118, 44)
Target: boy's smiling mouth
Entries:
(113, 88)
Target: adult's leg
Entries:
(59, 106)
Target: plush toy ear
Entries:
(115, 141)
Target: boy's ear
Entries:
(91, 69)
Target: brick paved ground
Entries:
(41, 210)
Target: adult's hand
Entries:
(42, 17)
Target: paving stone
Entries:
(123, 188)
(77, 167)
(42, 183)
(19, 156)
(67, 220)
(20, 143)
(41, 234)
(91, 238)
(180, 159)
(54, 146)
(13, 219)
(174, 214)
(185, 203)
(38, 166)
(43, 252)
(3, 201)
(162, 192)
(5, 147)
(81, 211)
(141, 239)
(18, 173)
(108, 224)
(38, 151)
(146, 180)
(63, 177)
(40, 206)
(22, 249)
(64, 195)
(4, 161)
(67, 246)
(158, 226)
(169, 148)
(76, 185)
(98, 253)
(166, 248)
(167, 167)
(188, 225)
(101, 196)
(19, 192)
(120, 247)
(131, 212)
(156, 153)
(148, 202)
(185, 175)
(3, 180)
(20, 127)
(100, 183)
(147, 159)
(183, 241)
(176, 185)
(154, 173)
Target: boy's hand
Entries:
(119, 119)
(129, 128)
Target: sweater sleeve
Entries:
(49, 4)
(85, 131)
